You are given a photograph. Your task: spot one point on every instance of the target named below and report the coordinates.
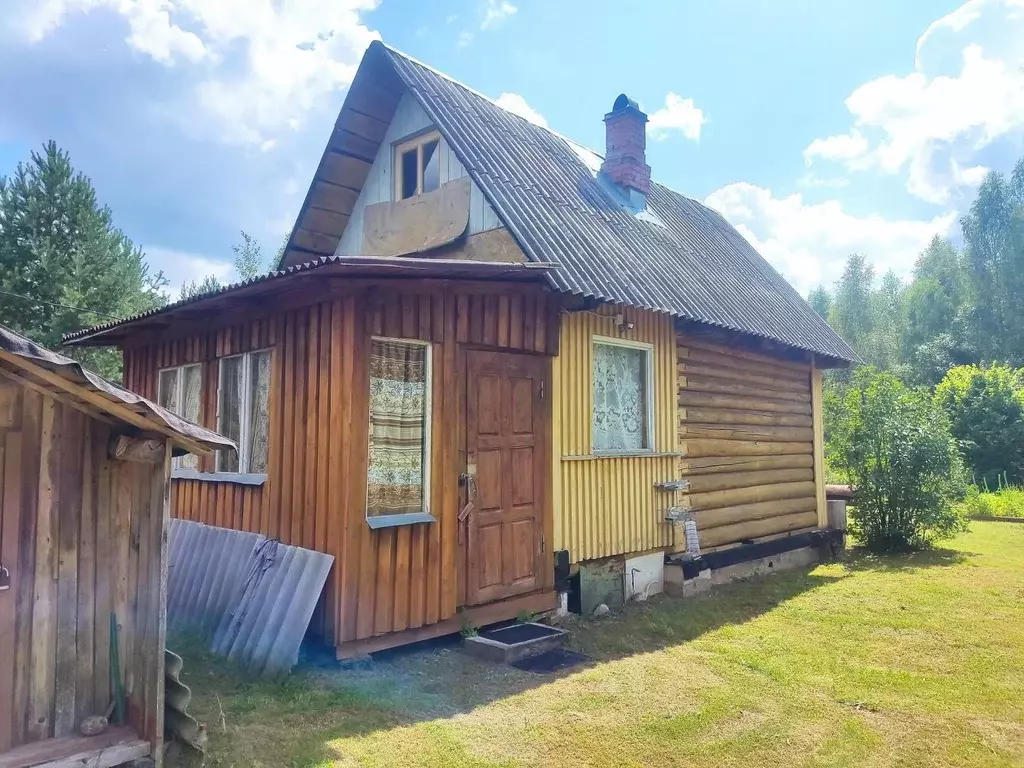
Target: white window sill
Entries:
(621, 455)
(185, 473)
(394, 521)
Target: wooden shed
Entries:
(84, 501)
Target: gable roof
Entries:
(680, 257)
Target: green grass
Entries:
(876, 661)
(1008, 501)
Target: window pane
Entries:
(167, 395)
(431, 167)
(259, 420)
(398, 428)
(409, 173)
(191, 391)
(620, 398)
(229, 410)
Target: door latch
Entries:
(5, 579)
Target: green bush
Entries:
(1006, 502)
(985, 407)
(895, 445)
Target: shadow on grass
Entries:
(860, 559)
(321, 703)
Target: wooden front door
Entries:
(507, 428)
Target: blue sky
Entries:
(817, 128)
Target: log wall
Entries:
(83, 537)
(747, 434)
(314, 493)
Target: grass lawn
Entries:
(915, 661)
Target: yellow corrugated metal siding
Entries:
(608, 505)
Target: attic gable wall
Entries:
(409, 119)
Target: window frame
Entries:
(648, 350)
(424, 515)
(245, 412)
(179, 391)
(399, 148)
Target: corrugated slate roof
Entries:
(685, 259)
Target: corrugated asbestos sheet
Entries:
(251, 596)
(685, 260)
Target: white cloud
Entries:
(464, 39)
(809, 242)
(966, 92)
(180, 267)
(678, 114)
(516, 104)
(496, 13)
(258, 66)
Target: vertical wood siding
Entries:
(609, 505)
(315, 491)
(88, 540)
(747, 437)
(409, 120)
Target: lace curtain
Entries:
(179, 392)
(229, 410)
(620, 398)
(191, 390)
(259, 409)
(398, 428)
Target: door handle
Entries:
(5, 579)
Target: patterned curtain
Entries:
(620, 398)
(259, 384)
(398, 392)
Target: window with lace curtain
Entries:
(622, 415)
(180, 391)
(243, 411)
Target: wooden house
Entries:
(487, 350)
(84, 485)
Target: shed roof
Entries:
(39, 368)
(680, 257)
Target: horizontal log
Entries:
(725, 387)
(702, 357)
(742, 513)
(692, 343)
(768, 381)
(728, 416)
(728, 534)
(702, 447)
(768, 405)
(691, 430)
(754, 494)
(719, 482)
(716, 465)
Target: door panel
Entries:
(506, 453)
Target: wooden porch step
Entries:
(114, 746)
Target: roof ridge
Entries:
(392, 49)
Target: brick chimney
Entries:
(625, 150)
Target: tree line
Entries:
(64, 265)
(962, 304)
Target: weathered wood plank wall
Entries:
(83, 537)
(747, 438)
(315, 489)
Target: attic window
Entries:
(418, 165)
